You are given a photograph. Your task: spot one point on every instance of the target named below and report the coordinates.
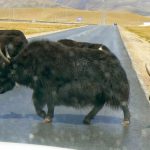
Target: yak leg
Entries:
(38, 108)
(92, 114)
(50, 113)
(126, 113)
(38, 104)
(50, 98)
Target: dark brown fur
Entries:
(72, 43)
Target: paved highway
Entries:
(19, 122)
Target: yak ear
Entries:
(147, 69)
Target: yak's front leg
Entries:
(39, 103)
(50, 98)
(50, 112)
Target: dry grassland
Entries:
(126, 18)
(63, 15)
(71, 15)
(142, 31)
(50, 14)
(32, 28)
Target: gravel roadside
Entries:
(139, 53)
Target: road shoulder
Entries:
(139, 53)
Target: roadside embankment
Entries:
(139, 53)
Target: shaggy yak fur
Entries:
(11, 42)
(71, 76)
(72, 43)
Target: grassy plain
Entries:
(50, 14)
(142, 31)
(32, 28)
(71, 15)
(64, 15)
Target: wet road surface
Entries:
(19, 122)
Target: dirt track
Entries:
(139, 52)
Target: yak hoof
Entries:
(126, 122)
(47, 120)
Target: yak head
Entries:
(6, 82)
(11, 44)
(19, 69)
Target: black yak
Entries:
(11, 42)
(71, 76)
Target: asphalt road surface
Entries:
(19, 122)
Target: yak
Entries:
(71, 76)
(11, 43)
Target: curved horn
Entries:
(147, 69)
(7, 54)
(6, 60)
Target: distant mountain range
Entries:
(138, 6)
(28, 3)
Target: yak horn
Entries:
(147, 69)
(6, 60)
(7, 54)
